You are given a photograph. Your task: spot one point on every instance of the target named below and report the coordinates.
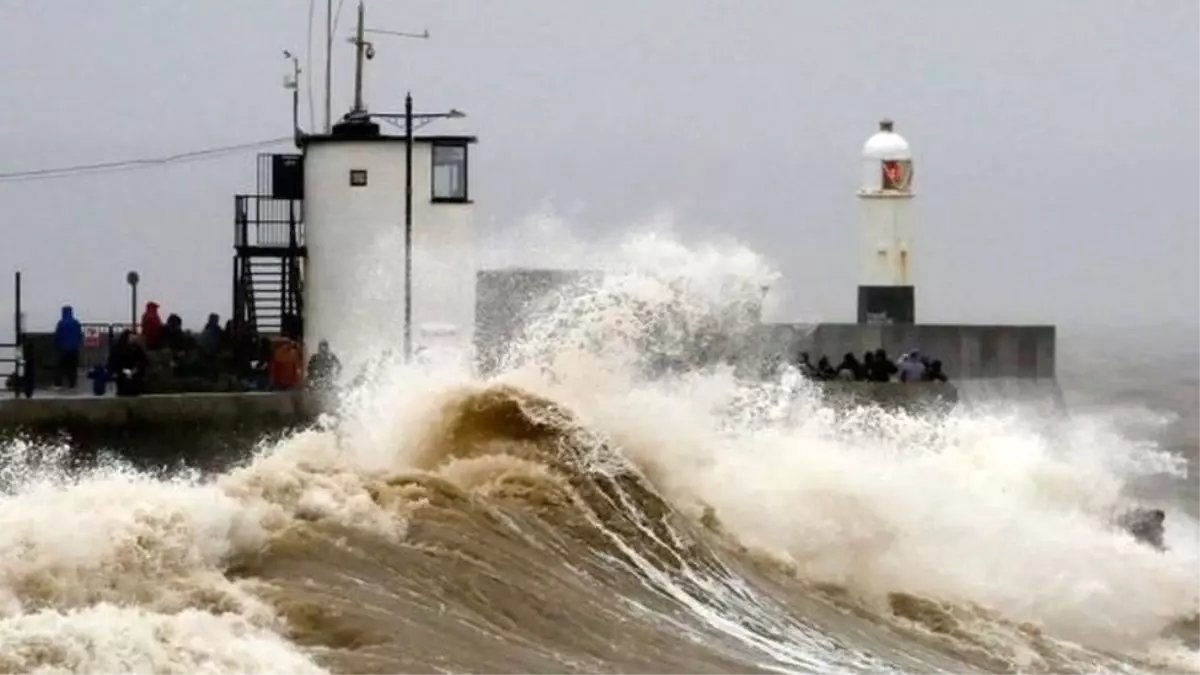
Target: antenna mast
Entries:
(293, 83)
(364, 50)
(360, 46)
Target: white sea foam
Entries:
(117, 571)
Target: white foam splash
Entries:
(109, 639)
(984, 508)
(993, 508)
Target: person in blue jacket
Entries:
(68, 340)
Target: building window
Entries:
(450, 173)
(358, 177)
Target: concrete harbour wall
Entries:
(914, 397)
(967, 352)
(216, 430)
(508, 298)
(205, 432)
(179, 412)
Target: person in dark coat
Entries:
(127, 364)
(68, 341)
(323, 368)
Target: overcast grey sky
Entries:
(1057, 142)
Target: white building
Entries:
(887, 228)
(354, 222)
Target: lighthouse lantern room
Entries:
(887, 221)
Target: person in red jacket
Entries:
(284, 368)
(152, 327)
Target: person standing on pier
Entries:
(283, 371)
(323, 368)
(127, 364)
(68, 340)
(152, 326)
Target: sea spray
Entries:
(973, 539)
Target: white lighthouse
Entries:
(887, 224)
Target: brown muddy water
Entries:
(575, 515)
(495, 529)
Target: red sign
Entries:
(91, 337)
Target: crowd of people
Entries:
(874, 366)
(164, 351)
(261, 363)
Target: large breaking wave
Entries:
(573, 514)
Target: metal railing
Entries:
(98, 340)
(263, 221)
(14, 375)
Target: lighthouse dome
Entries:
(886, 145)
(887, 166)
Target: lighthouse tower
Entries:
(887, 224)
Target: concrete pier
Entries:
(176, 412)
(914, 398)
(967, 352)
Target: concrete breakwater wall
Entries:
(509, 299)
(209, 432)
(175, 411)
(914, 398)
(215, 432)
(185, 413)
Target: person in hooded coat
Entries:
(152, 326)
(68, 340)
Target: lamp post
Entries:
(410, 119)
(18, 315)
(366, 50)
(132, 278)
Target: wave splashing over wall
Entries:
(596, 506)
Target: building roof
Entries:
(314, 139)
(365, 129)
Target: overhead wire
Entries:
(136, 163)
(195, 155)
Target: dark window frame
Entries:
(465, 198)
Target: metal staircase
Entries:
(268, 274)
(273, 289)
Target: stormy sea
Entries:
(580, 511)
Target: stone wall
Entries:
(914, 397)
(179, 412)
(982, 352)
(505, 299)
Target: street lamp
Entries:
(365, 50)
(132, 278)
(410, 118)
